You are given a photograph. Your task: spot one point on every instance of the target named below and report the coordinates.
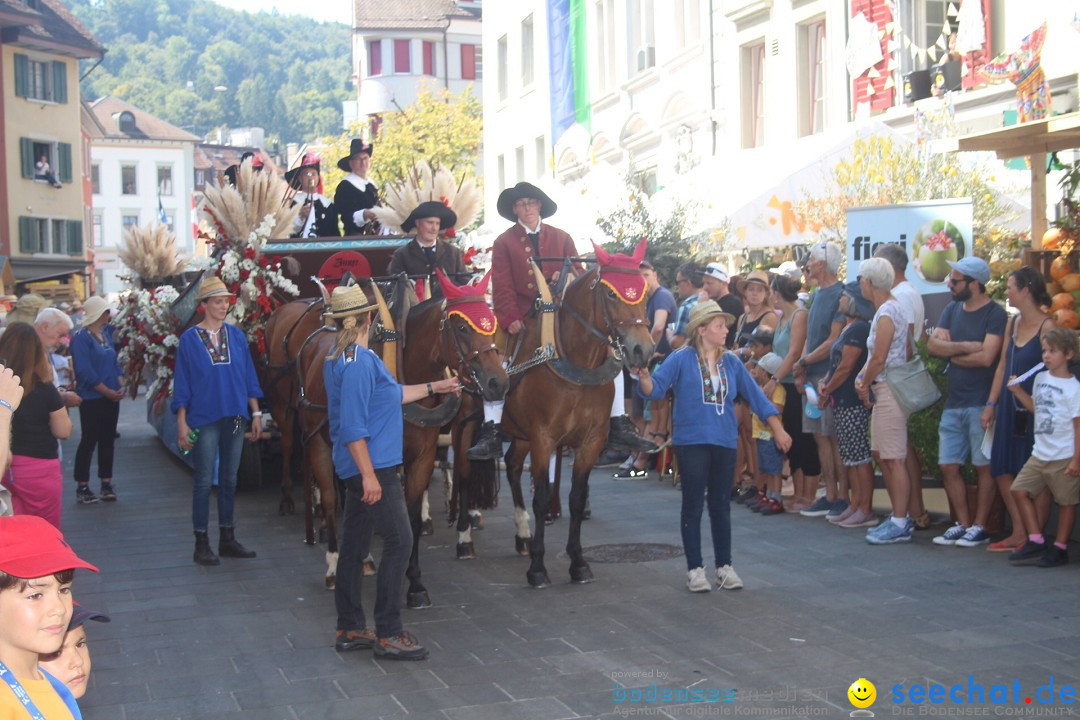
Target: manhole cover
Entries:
(631, 552)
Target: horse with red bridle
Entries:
(563, 397)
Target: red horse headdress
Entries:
(622, 273)
(467, 301)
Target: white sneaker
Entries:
(696, 581)
(727, 578)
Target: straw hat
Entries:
(94, 308)
(703, 312)
(349, 300)
(27, 308)
(211, 287)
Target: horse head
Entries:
(466, 333)
(619, 296)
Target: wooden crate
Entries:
(53, 292)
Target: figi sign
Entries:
(932, 233)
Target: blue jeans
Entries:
(224, 437)
(390, 518)
(706, 472)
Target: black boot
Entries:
(229, 547)
(623, 435)
(203, 554)
(488, 446)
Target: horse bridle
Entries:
(451, 349)
(611, 338)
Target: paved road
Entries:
(253, 639)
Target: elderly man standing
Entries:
(969, 334)
(514, 291)
(425, 252)
(52, 324)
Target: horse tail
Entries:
(485, 485)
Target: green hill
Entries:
(200, 66)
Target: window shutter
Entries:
(64, 160)
(74, 237)
(27, 235)
(976, 60)
(26, 150)
(877, 12)
(59, 71)
(22, 75)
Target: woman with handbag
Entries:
(889, 345)
(1013, 429)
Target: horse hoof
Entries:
(581, 574)
(552, 517)
(466, 551)
(521, 545)
(538, 579)
(427, 527)
(418, 600)
(331, 582)
(369, 568)
(476, 522)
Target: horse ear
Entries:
(450, 291)
(481, 287)
(603, 257)
(639, 251)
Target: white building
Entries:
(398, 43)
(141, 167)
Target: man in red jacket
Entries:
(514, 292)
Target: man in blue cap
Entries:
(969, 335)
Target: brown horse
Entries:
(599, 326)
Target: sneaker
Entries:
(838, 508)
(1028, 551)
(757, 503)
(697, 582)
(727, 578)
(400, 647)
(951, 535)
(630, 473)
(1054, 556)
(107, 493)
(353, 640)
(820, 508)
(859, 519)
(891, 533)
(771, 506)
(837, 519)
(609, 458)
(746, 494)
(85, 496)
(974, 537)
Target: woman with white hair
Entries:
(888, 345)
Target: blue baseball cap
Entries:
(973, 267)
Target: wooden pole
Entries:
(1038, 199)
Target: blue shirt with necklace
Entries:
(704, 412)
(214, 380)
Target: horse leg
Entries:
(309, 498)
(420, 447)
(427, 527)
(323, 465)
(584, 458)
(515, 464)
(539, 459)
(287, 436)
(555, 511)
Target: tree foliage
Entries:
(201, 66)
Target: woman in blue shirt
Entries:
(364, 404)
(214, 388)
(99, 382)
(706, 380)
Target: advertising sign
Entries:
(932, 233)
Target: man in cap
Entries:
(514, 292)
(426, 251)
(688, 284)
(969, 334)
(357, 194)
(318, 216)
(715, 282)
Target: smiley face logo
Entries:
(862, 693)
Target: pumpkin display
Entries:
(1060, 268)
(1070, 282)
(1067, 318)
(1062, 301)
(1053, 288)
(1051, 239)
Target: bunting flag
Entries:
(569, 66)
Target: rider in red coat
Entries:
(514, 292)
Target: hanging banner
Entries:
(932, 233)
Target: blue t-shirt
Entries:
(682, 317)
(853, 335)
(970, 387)
(364, 403)
(95, 363)
(823, 312)
(214, 384)
(662, 299)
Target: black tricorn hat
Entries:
(309, 160)
(431, 208)
(356, 146)
(509, 196)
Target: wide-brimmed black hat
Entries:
(509, 196)
(431, 208)
(356, 146)
(309, 160)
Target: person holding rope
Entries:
(318, 216)
(514, 292)
(366, 426)
(426, 251)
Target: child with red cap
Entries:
(36, 570)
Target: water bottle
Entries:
(812, 410)
(192, 437)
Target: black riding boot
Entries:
(488, 446)
(203, 554)
(229, 547)
(623, 435)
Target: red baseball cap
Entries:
(30, 547)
